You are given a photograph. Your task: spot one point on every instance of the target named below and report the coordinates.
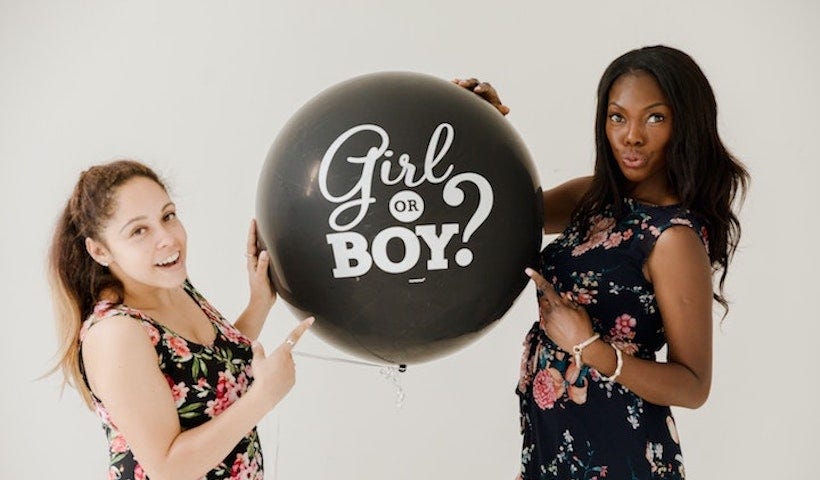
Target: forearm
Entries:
(252, 319)
(196, 451)
(668, 383)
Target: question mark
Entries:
(454, 196)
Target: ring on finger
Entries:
(290, 342)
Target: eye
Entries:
(616, 118)
(138, 231)
(656, 118)
(170, 216)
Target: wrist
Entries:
(261, 305)
(260, 398)
(605, 358)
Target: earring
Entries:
(104, 264)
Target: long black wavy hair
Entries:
(700, 170)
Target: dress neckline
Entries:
(190, 291)
(634, 202)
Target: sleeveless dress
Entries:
(594, 429)
(204, 381)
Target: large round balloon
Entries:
(400, 210)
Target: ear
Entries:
(97, 251)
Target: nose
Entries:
(634, 134)
(164, 238)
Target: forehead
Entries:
(636, 88)
(138, 196)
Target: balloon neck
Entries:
(402, 368)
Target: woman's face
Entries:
(144, 242)
(638, 127)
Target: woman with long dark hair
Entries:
(630, 273)
(178, 389)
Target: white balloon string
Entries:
(389, 372)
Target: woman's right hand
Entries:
(485, 91)
(275, 374)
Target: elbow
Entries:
(697, 397)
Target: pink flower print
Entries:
(681, 221)
(654, 231)
(614, 240)
(628, 348)
(227, 392)
(179, 391)
(233, 334)
(139, 473)
(601, 223)
(627, 234)
(114, 473)
(118, 444)
(153, 333)
(654, 455)
(584, 296)
(244, 468)
(622, 334)
(547, 387)
(623, 328)
(594, 241)
(101, 307)
(102, 413)
(179, 347)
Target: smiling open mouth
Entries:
(170, 261)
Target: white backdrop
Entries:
(199, 89)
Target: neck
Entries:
(147, 298)
(653, 193)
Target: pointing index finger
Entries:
(297, 332)
(544, 286)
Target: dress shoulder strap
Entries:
(656, 220)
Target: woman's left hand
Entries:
(565, 322)
(262, 291)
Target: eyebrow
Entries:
(143, 217)
(656, 104)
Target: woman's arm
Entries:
(122, 370)
(263, 295)
(680, 271)
(560, 201)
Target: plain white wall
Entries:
(199, 89)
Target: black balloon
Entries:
(400, 210)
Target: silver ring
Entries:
(290, 342)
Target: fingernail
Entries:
(311, 320)
(529, 271)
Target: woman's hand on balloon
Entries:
(275, 374)
(485, 91)
(565, 322)
(262, 292)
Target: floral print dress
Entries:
(576, 425)
(204, 381)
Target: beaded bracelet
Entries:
(618, 366)
(577, 349)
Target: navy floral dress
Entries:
(590, 428)
(204, 381)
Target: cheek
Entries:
(183, 235)
(664, 135)
(610, 134)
